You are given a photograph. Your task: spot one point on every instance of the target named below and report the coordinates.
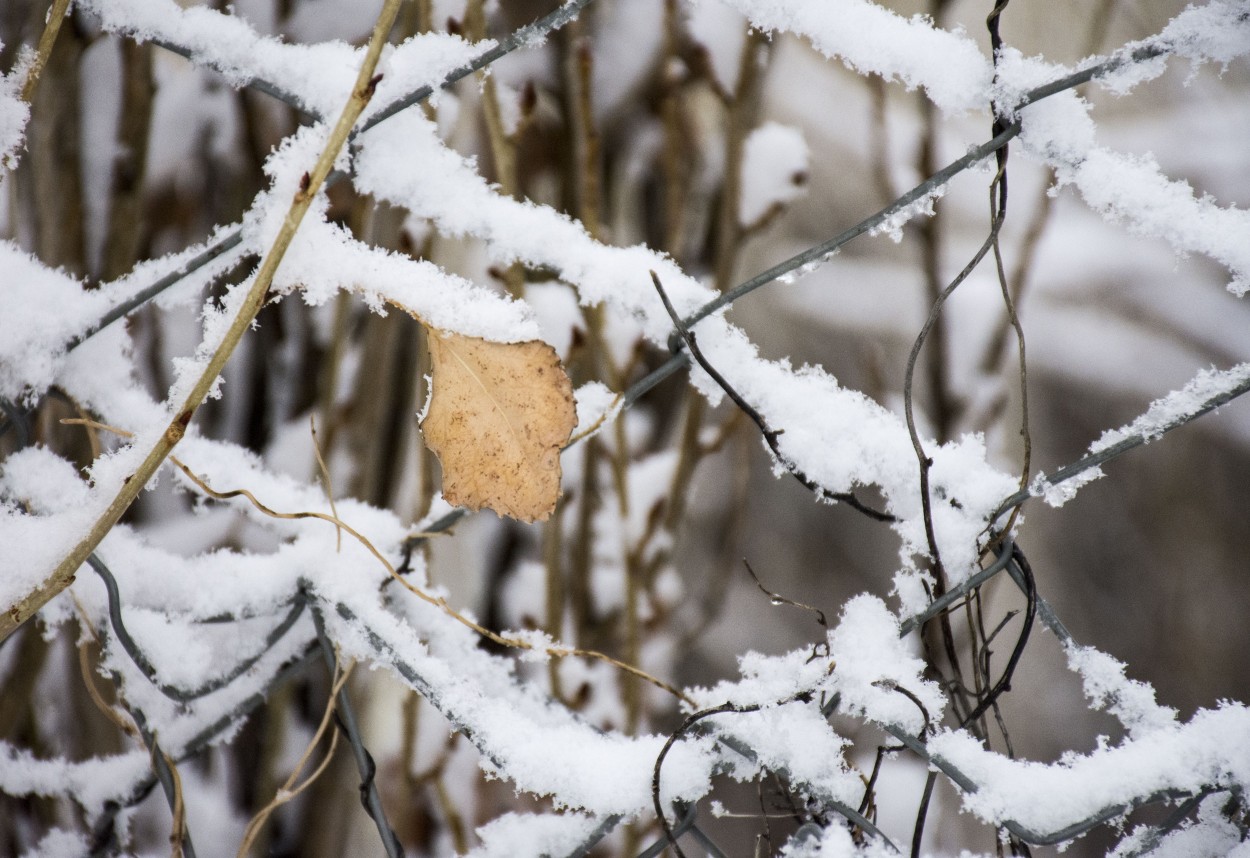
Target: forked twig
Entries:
(290, 789)
(770, 435)
(63, 574)
(437, 602)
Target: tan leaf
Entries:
(499, 415)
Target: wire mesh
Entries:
(1008, 556)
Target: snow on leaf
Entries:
(499, 415)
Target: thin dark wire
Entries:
(1016, 569)
(223, 245)
(821, 251)
(1152, 839)
(1030, 612)
(770, 435)
(680, 359)
(1026, 834)
(442, 525)
(805, 833)
(173, 692)
(706, 842)
(257, 83)
(635, 391)
(104, 832)
(691, 720)
(562, 16)
(370, 798)
(1093, 460)
(851, 814)
(676, 365)
(953, 595)
(419, 683)
(941, 177)
(592, 840)
(529, 34)
(1021, 573)
(165, 776)
(688, 817)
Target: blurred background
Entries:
(639, 120)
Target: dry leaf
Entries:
(499, 415)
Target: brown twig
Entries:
(47, 39)
(17, 614)
(290, 789)
(438, 602)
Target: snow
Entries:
(1164, 413)
(532, 834)
(1106, 686)
(872, 40)
(1218, 32)
(836, 436)
(59, 843)
(597, 407)
(1215, 836)
(1211, 748)
(871, 663)
(57, 504)
(90, 783)
(542, 749)
(835, 842)
(1175, 407)
(319, 75)
(44, 309)
(14, 113)
(1133, 191)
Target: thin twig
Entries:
(1004, 683)
(778, 599)
(771, 435)
(531, 34)
(689, 722)
(64, 572)
(921, 814)
(289, 789)
(346, 718)
(438, 602)
(47, 39)
(928, 186)
(179, 839)
(325, 476)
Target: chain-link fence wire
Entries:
(1009, 559)
(1009, 556)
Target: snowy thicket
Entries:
(636, 142)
